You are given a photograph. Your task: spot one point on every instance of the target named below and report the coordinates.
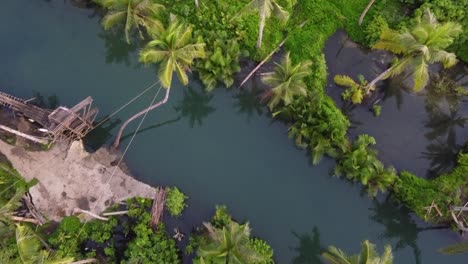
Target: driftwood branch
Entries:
(79, 210)
(24, 219)
(32, 209)
(85, 261)
(157, 209)
(459, 224)
(115, 213)
(21, 134)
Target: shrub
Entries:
(175, 201)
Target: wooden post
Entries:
(157, 209)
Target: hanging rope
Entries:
(123, 155)
(125, 105)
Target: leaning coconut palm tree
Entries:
(368, 255)
(286, 81)
(355, 91)
(229, 244)
(418, 47)
(174, 49)
(265, 9)
(134, 14)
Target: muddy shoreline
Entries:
(69, 176)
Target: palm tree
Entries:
(134, 14)
(174, 50)
(287, 81)
(355, 91)
(368, 255)
(29, 248)
(265, 9)
(229, 244)
(419, 46)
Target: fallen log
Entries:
(115, 213)
(157, 209)
(79, 210)
(21, 134)
(24, 219)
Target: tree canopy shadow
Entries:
(310, 248)
(97, 137)
(399, 225)
(248, 102)
(195, 106)
(117, 48)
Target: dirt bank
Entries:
(73, 178)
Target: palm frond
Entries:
(455, 249)
(420, 74)
(112, 18)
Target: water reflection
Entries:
(443, 155)
(247, 102)
(102, 133)
(195, 106)
(167, 122)
(399, 225)
(49, 102)
(117, 48)
(442, 102)
(310, 248)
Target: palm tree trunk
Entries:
(196, 3)
(378, 78)
(124, 125)
(260, 30)
(369, 5)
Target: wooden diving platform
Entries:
(72, 123)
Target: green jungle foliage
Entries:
(71, 235)
(148, 246)
(175, 201)
(447, 190)
(377, 109)
(355, 91)
(316, 121)
(225, 241)
(360, 163)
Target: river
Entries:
(224, 148)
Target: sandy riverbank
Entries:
(73, 178)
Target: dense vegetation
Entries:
(228, 31)
(211, 37)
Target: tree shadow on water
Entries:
(117, 48)
(248, 102)
(195, 106)
(399, 225)
(158, 125)
(309, 249)
(101, 134)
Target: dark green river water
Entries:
(223, 148)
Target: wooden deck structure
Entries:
(62, 123)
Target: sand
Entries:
(73, 178)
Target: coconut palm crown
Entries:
(134, 14)
(368, 255)
(229, 244)
(174, 50)
(419, 46)
(287, 81)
